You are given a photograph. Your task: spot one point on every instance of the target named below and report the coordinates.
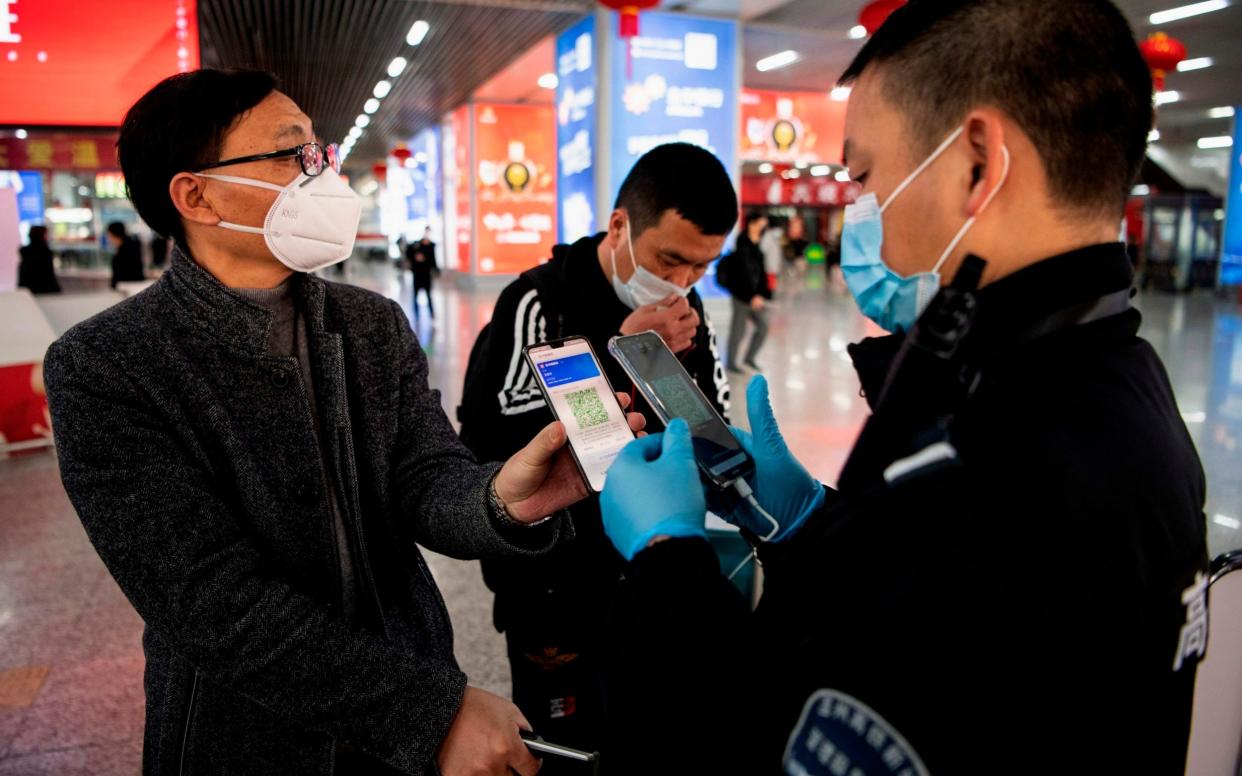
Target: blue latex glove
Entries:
(781, 485)
(653, 489)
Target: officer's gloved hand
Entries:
(653, 489)
(781, 485)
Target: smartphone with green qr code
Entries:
(580, 396)
(673, 393)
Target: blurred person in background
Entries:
(36, 270)
(159, 250)
(421, 257)
(127, 260)
(772, 246)
(743, 274)
(795, 248)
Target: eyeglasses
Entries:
(313, 157)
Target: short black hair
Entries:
(1067, 71)
(38, 234)
(177, 126)
(684, 178)
(117, 229)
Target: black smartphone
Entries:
(579, 395)
(539, 747)
(672, 393)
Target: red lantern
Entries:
(1162, 54)
(629, 22)
(629, 13)
(401, 153)
(874, 14)
(380, 171)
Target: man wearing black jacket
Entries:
(127, 261)
(1010, 577)
(670, 221)
(746, 279)
(421, 257)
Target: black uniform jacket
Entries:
(1034, 608)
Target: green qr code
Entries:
(589, 410)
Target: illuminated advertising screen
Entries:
(29, 187)
(1231, 245)
(66, 62)
(678, 84)
(791, 127)
(515, 176)
(459, 159)
(576, 130)
(424, 200)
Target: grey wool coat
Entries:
(191, 458)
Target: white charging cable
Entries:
(746, 494)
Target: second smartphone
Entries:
(672, 393)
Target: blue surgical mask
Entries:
(644, 287)
(894, 302)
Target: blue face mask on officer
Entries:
(895, 302)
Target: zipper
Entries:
(189, 719)
(348, 474)
(345, 448)
(317, 432)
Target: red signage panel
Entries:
(460, 173)
(805, 191)
(67, 62)
(515, 172)
(791, 127)
(59, 153)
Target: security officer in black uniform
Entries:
(1009, 577)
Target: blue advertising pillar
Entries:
(1231, 243)
(677, 81)
(577, 130)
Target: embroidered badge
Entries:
(841, 736)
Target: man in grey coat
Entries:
(256, 454)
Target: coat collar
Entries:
(1019, 300)
(1014, 302)
(226, 316)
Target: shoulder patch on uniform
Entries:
(931, 458)
(838, 735)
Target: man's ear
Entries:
(985, 134)
(187, 192)
(616, 226)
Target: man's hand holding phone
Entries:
(541, 479)
(484, 739)
(672, 318)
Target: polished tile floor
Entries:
(70, 660)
